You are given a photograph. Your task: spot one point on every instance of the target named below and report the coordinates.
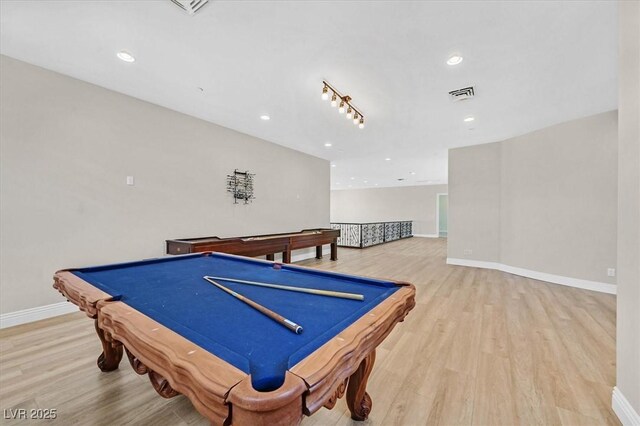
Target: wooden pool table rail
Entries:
(173, 363)
(222, 392)
(261, 245)
(352, 352)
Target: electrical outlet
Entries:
(467, 252)
(611, 272)
(130, 180)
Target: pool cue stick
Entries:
(330, 293)
(268, 312)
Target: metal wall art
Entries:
(240, 184)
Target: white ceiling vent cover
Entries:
(190, 6)
(462, 94)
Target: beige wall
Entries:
(628, 324)
(474, 203)
(417, 203)
(559, 197)
(545, 201)
(66, 149)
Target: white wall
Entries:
(416, 203)
(628, 323)
(66, 149)
(544, 202)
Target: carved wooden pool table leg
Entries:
(358, 400)
(111, 355)
(159, 383)
(331, 402)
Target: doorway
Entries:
(442, 215)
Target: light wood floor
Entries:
(481, 347)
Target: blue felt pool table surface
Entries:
(172, 291)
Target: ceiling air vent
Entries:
(190, 6)
(462, 94)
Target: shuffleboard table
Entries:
(236, 365)
(261, 245)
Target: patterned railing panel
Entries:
(406, 229)
(349, 234)
(372, 234)
(391, 231)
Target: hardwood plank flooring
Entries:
(481, 347)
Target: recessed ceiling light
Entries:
(333, 165)
(328, 145)
(454, 60)
(469, 119)
(352, 178)
(376, 184)
(412, 173)
(125, 56)
(366, 181)
(265, 117)
(387, 159)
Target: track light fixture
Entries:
(343, 102)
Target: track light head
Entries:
(341, 108)
(361, 125)
(349, 113)
(334, 100)
(325, 93)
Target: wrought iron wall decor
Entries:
(240, 184)
(363, 235)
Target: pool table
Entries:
(236, 365)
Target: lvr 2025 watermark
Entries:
(30, 414)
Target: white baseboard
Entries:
(623, 409)
(426, 235)
(542, 276)
(35, 314)
(473, 263)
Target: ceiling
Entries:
(533, 64)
